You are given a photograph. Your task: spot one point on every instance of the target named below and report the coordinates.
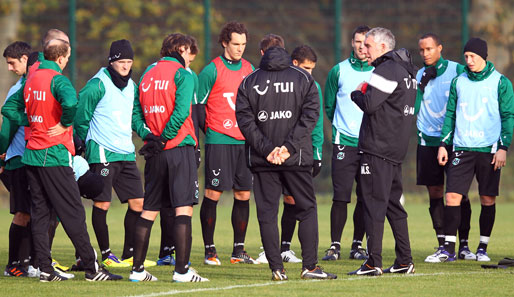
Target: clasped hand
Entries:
(278, 156)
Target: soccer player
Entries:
(304, 57)
(388, 103)
(346, 118)
(50, 101)
(171, 181)
(105, 121)
(12, 145)
(479, 119)
(434, 86)
(224, 144)
(277, 106)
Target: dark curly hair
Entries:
(228, 29)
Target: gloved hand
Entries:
(80, 145)
(430, 73)
(154, 145)
(316, 168)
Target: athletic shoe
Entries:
(401, 268)
(78, 266)
(442, 256)
(316, 273)
(242, 258)
(466, 254)
(366, 269)
(147, 263)
(279, 275)
(56, 265)
(435, 257)
(482, 256)
(64, 274)
(113, 261)
(16, 271)
(289, 256)
(50, 277)
(211, 257)
(33, 272)
(167, 260)
(262, 258)
(359, 253)
(102, 275)
(191, 276)
(332, 254)
(143, 276)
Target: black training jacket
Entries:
(278, 104)
(388, 107)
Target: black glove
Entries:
(80, 145)
(430, 73)
(316, 168)
(198, 157)
(151, 137)
(154, 145)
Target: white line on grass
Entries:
(174, 292)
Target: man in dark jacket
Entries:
(388, 104)
(277, 108)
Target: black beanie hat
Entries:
(90, 185)
(121, 49)
(477, 46)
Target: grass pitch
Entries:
(461, 278)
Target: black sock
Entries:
(25, 246)
(436, 210)
(338, 214)
(131, 217)
(487, 217)
(465, 221)
(288, 224)
(167, 221)
(240, 215)
(451, 223)
(358, 225)
(208, 220)
(99, 222)
(183, 241)
(15, 235)
(141, 241)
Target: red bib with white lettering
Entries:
(32, 69)
(157, 97)
(221, 105)
(44, 112)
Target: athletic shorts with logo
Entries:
(345, 169)
(19, 196)
(464, 165)
(225, 168)
(171, 179)
(428, 170)
(123, 176)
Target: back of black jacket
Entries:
(388, 107)
(278, 104)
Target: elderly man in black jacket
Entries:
(388, 102)
(277, 108)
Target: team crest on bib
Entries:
(455, 161)
(340, 156)
(104, 172)
(215, 182)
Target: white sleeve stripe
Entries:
(382, 84)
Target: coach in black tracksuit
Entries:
(277, 106)
(388, 106)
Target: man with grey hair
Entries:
(387, 101)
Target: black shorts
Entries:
(345, 169)
(171, 179)
(19, 194)
(428, 170)
(225, 168)
(123, 176)
(463, 165)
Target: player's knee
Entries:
(453, 199)
(102, 205)
(212, 194)
(21, 219)
(184, 211)
(487, 200)
(435, 191)
(242, 195)
(136, 204)
(289, 200)
(149, 215)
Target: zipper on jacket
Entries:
(300, 160)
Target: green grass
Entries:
(458, 279)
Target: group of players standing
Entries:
(254, 142)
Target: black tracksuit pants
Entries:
(267, 191)
(381, 184)
(55, 187)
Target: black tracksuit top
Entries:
(388, 107)
(278, 104)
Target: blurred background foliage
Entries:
(146, 22)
